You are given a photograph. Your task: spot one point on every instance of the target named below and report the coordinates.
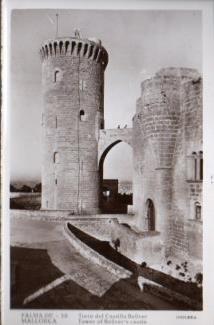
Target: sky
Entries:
(139, 43)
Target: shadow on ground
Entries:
(32, 268)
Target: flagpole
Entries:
(57, 24)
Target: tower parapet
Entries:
(85, 48)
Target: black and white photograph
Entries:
(106, 163)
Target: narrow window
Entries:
(56, 181)
(201, 165)
(82, 85)
(82, 115)
(56, 122)
(56, 75)
(194, 156)
(56, 157)
(195, 166)
(195, 169)
(197, 211)
(192, 167)
(150, 215)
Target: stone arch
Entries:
(103, 156)
(106, 150)
(101, 162)
(108, 138)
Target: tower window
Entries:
(201, 165)
(197, 211)
(56, 181)
(56, 157)
(82, 115)
(150, 215)
(56, 75)
(82, 85)
(195, 166)
(194, 156)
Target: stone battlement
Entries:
(164, 93)
(171, 75)
(75, 47)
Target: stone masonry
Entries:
(73, 113)
(166, 139)
(168, 160)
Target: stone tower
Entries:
(73, 113)
(167, 157)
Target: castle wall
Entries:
(166, 140)
(73, 113)
(156, 125)
(185, 226)
(167, 128)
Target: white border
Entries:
(205, 317)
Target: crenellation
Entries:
(75, 48)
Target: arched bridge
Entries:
(109, 138)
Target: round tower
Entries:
(155, 128)
(73, 113)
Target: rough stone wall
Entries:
(185, 229)
(155, 126)
(167, 128)
(139, 247)
(73, 113)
